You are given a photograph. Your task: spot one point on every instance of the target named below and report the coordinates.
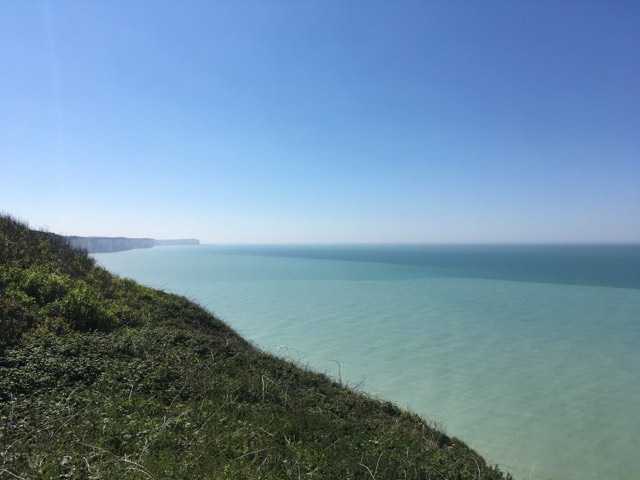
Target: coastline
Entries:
(120, 244)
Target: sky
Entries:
(323, 121)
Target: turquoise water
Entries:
(530, 354)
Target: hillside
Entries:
(103, 378)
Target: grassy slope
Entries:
(103, 378)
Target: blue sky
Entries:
(323, 121)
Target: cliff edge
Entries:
(101, 377)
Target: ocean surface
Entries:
(530, 354)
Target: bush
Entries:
(15, 319)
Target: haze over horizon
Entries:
(323, 122)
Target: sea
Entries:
(528, 353)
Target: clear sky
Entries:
(323, 121)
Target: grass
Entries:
(103, 378)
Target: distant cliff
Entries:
(119, 244)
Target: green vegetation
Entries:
(103, 378)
